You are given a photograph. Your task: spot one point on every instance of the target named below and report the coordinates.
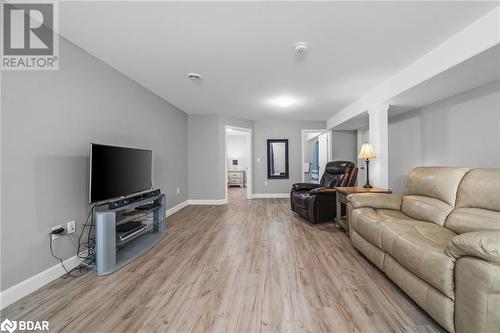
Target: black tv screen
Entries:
(118, 171)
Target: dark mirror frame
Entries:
(269, 174)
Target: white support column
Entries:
(379, 139)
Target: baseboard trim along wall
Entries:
(271, 195)
(207, 202)
(176, 208)
(26, 287)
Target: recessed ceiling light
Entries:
(194, 76)
(229, 129)
(284, 101)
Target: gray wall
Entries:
(279, 129)
(207, 153)
(344, 146)
(205, 161)
(48, 120)
(463, 130)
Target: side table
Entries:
(342, 193)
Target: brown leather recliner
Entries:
(317, 202)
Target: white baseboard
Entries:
(176, 208)
(207, 202)
(270, 195)
(26, 287)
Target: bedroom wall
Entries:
(462, 130)
(48, 120)
(237, 146)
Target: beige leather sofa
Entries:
(439, 242)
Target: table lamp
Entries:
(367, 153)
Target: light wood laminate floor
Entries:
(249, 266)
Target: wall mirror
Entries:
(277, 159)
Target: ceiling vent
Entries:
(194, 76)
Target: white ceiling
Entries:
(479, 70)
(244, 50)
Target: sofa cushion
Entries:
(300, 199)
(391, 214)
(426, 209)
(463, 220)
(375, 200)
(437, 305)
(480, 188)
(478, 202)
(420, 247)
(435, 182)
(370, 223)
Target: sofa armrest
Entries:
(480, 244)
(322, 191)
(304, 186)
(375, 200)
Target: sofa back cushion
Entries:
(480, 188)
(478, 202)
(425, 208)
(430, 193)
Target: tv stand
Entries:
(113, 253)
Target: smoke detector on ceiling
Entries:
(301, 48)
(194, 76)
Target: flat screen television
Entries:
(118, 171)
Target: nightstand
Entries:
(236, 178)
(342, 193)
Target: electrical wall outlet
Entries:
(258, 160)
(59, 235)
(178, 190)
(265, 183)
(70, 227)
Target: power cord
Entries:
(68, 273)
(89, 259)
(90, 243)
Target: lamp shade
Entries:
(366, 151)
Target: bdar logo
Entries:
(8, 325)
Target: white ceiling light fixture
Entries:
(284, 101)
(194, 76)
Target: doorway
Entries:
(316, 152)
(238, 163)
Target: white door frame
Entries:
(327, 155)
(250, 159)
(304, 131)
